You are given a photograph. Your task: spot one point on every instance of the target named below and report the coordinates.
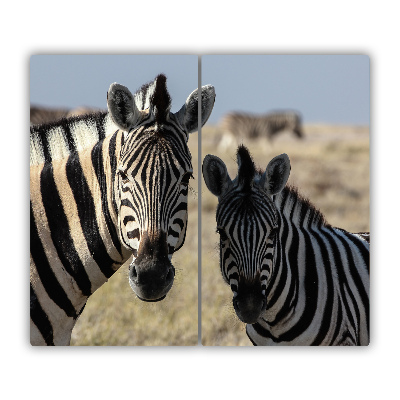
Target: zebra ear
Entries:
(276, 175)
(188, 114)
(122, 107)
(216, 175)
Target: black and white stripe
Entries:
(296, 280)
(100, 197)
(241, 124)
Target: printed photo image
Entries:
(226, 205)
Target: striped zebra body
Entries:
(101, 198)
(296, 280)
(241, 124)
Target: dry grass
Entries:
(330, 167)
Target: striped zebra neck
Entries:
(320, 274)
(74, 242)
(74, 200)
(57, 140)
(297, 209)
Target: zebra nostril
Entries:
(133, 272)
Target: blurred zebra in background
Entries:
(44, 115)
(238, 125)
(104, 187)
(295, 279)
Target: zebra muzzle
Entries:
(151, 282)
(249, 307)
(151, 275)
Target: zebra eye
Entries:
(123, 176)
(186, 177)
(223, 236)
(273, 233)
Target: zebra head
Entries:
(152, 179)
(248, 225)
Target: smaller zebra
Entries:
(295, 279)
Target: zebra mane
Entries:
(290, 199)
(247, 169)
(154, 95)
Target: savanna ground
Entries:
(330, 166)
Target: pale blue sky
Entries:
(83, 80)
(323, 88)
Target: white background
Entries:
(177, 27)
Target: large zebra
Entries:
(296, 280)
(104, 187)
